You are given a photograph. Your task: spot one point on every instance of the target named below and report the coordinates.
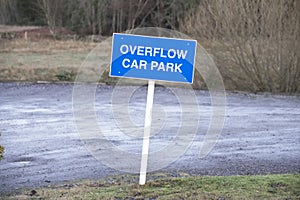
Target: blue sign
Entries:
(156, 58)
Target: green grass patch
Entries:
(285, 186)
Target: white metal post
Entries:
(147, 128)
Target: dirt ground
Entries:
(261, 135)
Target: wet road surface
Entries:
(261, 135)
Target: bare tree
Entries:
(52, 13)
(128, 14)
(8, 11)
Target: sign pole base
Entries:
(147, 128)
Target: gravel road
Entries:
(261, 135)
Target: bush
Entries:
(65, 76)
(254, 43)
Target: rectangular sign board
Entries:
(153, 58)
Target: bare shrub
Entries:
(255, 43)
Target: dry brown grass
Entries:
(6, 29)
(44, 46)
(41, 60)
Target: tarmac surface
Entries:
(261, 134)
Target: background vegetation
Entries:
(254, 43)
(101, 17)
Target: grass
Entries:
(41, 60)
(44, 46)
(59, 60)
(285, 186)
(46, 60)
(1, 151)
(43, 53)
